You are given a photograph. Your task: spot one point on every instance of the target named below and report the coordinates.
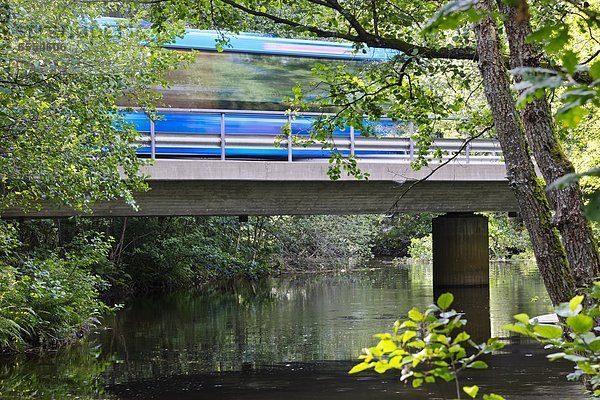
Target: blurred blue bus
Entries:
(247, 82)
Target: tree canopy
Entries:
(62, 73)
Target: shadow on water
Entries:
(294, 337)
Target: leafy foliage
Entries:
(575, 337)
(508, 239)
(62, 75)
(395, 234)
(50, 301)
(428, 347)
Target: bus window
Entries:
(242, 81)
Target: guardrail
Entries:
(246, 134)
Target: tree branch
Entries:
(362, 35)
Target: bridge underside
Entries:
(302, 198)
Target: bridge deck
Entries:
(213, 187)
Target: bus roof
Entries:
(206, 40)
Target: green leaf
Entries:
(595, 70)
(564, 310)
(445, 300)
(580, 323)
(555, 356)
(471, 390)
(453, 14)
(518, 329)
(524, 318)
(570, 179)
(409, 324)
(361, 367)
(408, 335)
(492, 396)
(478, 365)
(417, 382)
(570, 62)
(592, 209)
(381, 367)
(595, 345)
(415, 315)
(548, 331)
(386, 345)
(461, 337)
(575, 301)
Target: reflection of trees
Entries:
(295, 318)
(513, 286)
(74, 372)
(300, 318)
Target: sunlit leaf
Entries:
(415, 315)
(417, 383)
(478, 365)
(471, 390)
(548, 331)
(524, 318)
(361, 367)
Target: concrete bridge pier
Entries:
(460, 250)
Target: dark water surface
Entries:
(291, 337)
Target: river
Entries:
(289, 337)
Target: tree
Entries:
(62, 138)
(432, 74)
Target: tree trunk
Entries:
(536, 116)
(549, 252)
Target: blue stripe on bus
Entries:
(244, 43)
(265, 44)
(235, 124)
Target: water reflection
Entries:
(73, 373)
(294, 336)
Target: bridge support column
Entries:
(460, 250)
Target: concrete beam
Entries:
(237, 187)
(303, 198)
(315, 170)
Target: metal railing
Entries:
(260, 142)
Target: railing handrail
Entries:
(402, 145)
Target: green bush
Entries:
(421, 248)
(50, 301)
(324, 241)
(394, 235)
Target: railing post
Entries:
(289, 139)
(352, 141)
(411, 131)
(222, 143)
(467, 151)
(152, 140)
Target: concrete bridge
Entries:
(235, 187)
(219, 173)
